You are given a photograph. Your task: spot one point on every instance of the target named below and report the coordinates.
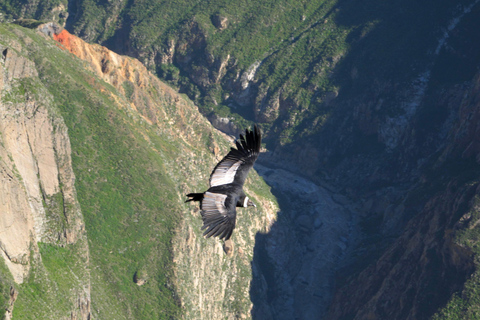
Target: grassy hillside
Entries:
(129, 202)
(300, 60)
(332, 83)
(308, 53)
(131, 177)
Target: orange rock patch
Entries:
(65, 39)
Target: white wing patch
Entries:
(225, 172)
(217, 220)
(213, 204)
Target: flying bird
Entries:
(218, 204)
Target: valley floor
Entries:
(294, 264)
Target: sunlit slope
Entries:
(137, 148)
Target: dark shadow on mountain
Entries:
(391, 45)
(120, 42)
(313, 226)
(72, 14)
(265, 286)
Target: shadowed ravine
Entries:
(294, 264)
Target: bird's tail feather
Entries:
(195, 197)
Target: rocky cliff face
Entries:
(283, 64)
(212, 279)
(396, 133)
(380, 145)
(406, 153)
(387, 117)
(39, 203)
(45, 226)
(438, 169)
(419, 272)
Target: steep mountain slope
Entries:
(378, 99)
(371, 97)
(293, 65)
(426, 193)
(136, 148)
(41, 219)
(436, 253)
(285, 63)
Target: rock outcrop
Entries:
(418, 273)
(423, 264)
(211, 283)
(405, 148)
(37, 186)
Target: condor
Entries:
(218, 204)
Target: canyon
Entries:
(368, 183)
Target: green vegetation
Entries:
(129, 202)
(466, 304)
(24, 10)
(47, 292)
(309, 52)
(312, 57)
(126, 199)
(129, 176)
(6, 282)
(29, 23)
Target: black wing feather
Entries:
(218, 215)
(234, 167)
(239, 146)
(218, 205)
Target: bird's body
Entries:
(218, 204)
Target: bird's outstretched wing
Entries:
(235, 165)
(218, 215)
